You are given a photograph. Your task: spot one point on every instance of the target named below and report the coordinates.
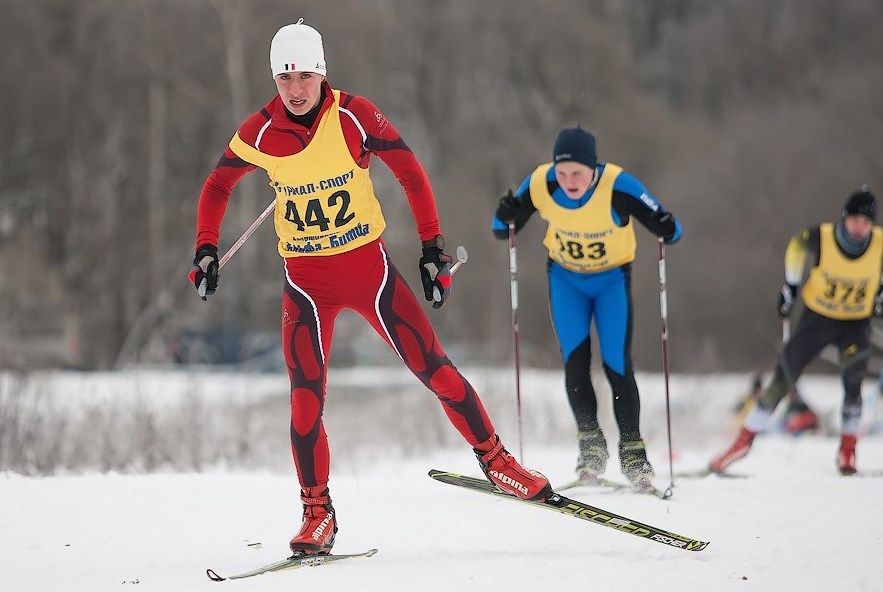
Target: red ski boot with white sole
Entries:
(846, 455)
(737, 450)
(316, 535)
(506, 473)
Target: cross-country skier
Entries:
(315, 143)
(841, 292)
(589, 207)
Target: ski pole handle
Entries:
(663, 293)
(462, 257)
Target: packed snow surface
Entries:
(791, 524)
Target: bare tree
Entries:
(749, 120)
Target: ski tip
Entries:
(371, 553)
(697, 545)
(213, 576)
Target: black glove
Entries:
(664, 225)
(786, 299)
(878, 305)
(509, 208)
(205, 271)
(435, 271)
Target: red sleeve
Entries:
(382, 139)
(220, 183)
(214, 196)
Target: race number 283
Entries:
(580, 250)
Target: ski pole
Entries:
(245, 236)
(462, 256)
(513, 291)
(663, 311)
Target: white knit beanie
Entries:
(297, 48)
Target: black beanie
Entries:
(576, 144)
(861, 202)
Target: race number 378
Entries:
(846, 291)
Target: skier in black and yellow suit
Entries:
(841, 293)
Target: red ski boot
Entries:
(737, 450)
(801, 421)
(799, 417)
(316, 536)
(503, 470)
(846, 455)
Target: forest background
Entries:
(748, 119)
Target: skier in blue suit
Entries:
(589, 207)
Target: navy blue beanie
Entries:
(861, 202)
(576, 144)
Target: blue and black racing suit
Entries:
(578, 293)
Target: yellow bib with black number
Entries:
(325, 202)
(842, 288)
(586, 239)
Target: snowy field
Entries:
(792, 524)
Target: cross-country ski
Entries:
(293, 562)
(577, 509)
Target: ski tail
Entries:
(293, 562)
(708, 472)
(609, 486)
(591, 481)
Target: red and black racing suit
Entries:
(364, 279)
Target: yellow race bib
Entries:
(586, 239)
(842, 288)
(325, 202)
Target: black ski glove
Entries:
(435, 271)
(663, 224)
(509, 209)
(786, 300)
(204, 274)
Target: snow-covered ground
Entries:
(793, 524)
